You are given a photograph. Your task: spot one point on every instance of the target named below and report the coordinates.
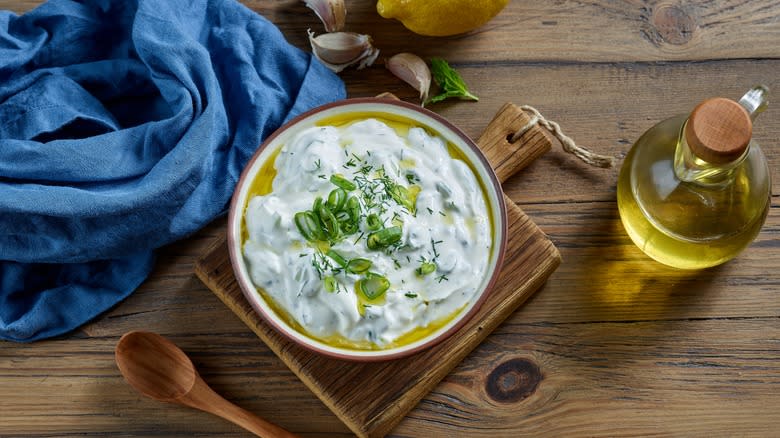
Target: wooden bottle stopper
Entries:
(719, 130)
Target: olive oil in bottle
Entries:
(694, 190)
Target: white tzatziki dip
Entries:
(372, 235)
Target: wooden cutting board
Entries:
(371, 398)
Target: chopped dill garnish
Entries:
(433, 246)
(365, 170)
(317, 266)
(349, 163)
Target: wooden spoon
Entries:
(157, 368)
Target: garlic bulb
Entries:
(412, 70)
(339, 50)
(332, 13)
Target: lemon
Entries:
(440, 17)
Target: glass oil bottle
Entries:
(694, 190)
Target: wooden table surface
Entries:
(614, 344)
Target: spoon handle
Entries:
(204, 398)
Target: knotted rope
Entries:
(568, 144)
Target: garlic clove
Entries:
(369, 58)
(339, 47)
(413, 70)
(332, 13)
(339, 50)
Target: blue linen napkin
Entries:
(124, 126)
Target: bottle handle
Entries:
(755, 100)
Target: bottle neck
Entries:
(690, 168)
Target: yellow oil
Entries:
(399, 124)
(685, 224)
(342, 342)
(263, 184)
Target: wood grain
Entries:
(624, 346)
(560, 31)
(564, 31)
(159, 369)
(629, 378)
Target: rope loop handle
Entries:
(568, 144)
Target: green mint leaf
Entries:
(449, 81)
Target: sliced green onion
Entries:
(383, 238)
(307, 225)
(373, 222)
(336, 199)
(317, 204)
(353, 203)
(358, 266)
(402, 196)
(348, 227)
(341, 261)
(373, 286)
(330, 283)
(425, 268)
(329, 222)
(398, 193)
(353, 208)
(342, 182)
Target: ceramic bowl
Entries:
(345, 108)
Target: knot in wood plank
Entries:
(673, 24)
(513, 380)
